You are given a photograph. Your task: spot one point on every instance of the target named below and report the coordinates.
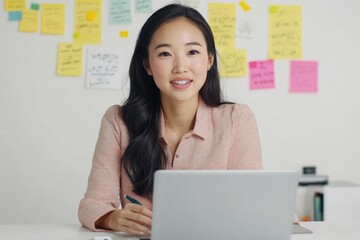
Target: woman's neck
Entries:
(180, 116)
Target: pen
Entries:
(132, 200)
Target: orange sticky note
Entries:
(124, 34)
(91, 15)
(245, 6)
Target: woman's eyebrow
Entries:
(169, 45)
(162, 45)
(193, 43)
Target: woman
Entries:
(174, 118)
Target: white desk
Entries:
(334, 230)
(322, 231)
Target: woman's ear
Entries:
(147, 67)
(211, 61)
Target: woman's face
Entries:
(178, 60)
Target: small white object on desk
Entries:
(102, 238)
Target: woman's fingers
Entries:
(132, 227)
(133, 219)
(138, 213)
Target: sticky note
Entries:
(70, 59)
(145, 6)
(124, 34)
(120, 13)
(245, 6)
(285, 32)
(53, 18)
(273, 9)
(35, 6)
(233, 63)
(30, 21)
(15, 16)
(222, 19)
(261, 74)
(303, 76)
(14, 5)
(76, 35)
(90, 15)
(87, 21)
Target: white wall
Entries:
(49, 124)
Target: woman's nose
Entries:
(180, 65)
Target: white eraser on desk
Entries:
(102, 238)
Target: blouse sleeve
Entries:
(245, 149)
(102, 194)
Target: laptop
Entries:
(223, 204)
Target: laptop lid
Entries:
(223, 204)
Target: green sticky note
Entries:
(273, 9)
(76, 35)
(35, 6)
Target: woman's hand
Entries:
(133, 219)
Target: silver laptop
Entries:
(223, 204)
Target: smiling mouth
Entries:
(181, 82)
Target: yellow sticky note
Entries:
(245, 6)
(90, 15)
(124, 34)
(70, 59)
(87, 21)
(273, 9)
(76, 35)
(233, 63)
(30, 21)
(221, 18)
(14, 5)
(53, 18)
(285, 32)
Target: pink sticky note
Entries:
(303, 76)
(261, 74)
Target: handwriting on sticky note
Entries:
(222, 21)
(261, 75)
(14, 5)
(303, 76)
(70, 59)
(233, 63)
(120, 12)
(30, 21)
(103, 68)
(143, 6)
(53, 18)
(285, 32)
(89, 30)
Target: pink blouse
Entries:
(224, 137)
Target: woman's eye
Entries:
(164, 54)
(193, 52)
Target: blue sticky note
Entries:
(120, 12)
(143, 6)
(15, 16)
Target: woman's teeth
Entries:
(181, 82)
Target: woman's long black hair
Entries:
(141, 111)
